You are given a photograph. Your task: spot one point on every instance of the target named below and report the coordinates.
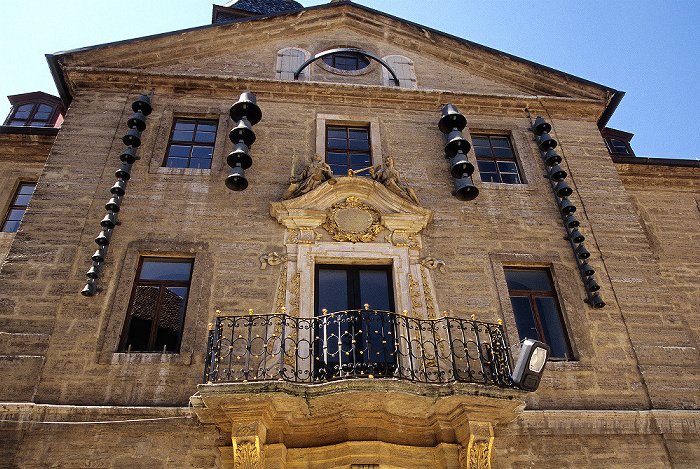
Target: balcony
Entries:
(356, 387)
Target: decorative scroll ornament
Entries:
(353, 221)
(271, 259)
(390, 177)
(432, 264)
(403, 238)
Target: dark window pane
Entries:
(337, 158)
(183, 136)
(502, 153)
(332, 290)
(360, 159)
(24, 115)
(524, 317)
(41, 116)
(480, 141)
(483, 151)
(184, 125)
(509, 178)
(507, 167)
(200, 163)
(205, 137)
(44, 108)
(486, 166)
(11, 226)
(335, 132)
(536, 280)
(15, 214)
(339, 170)
(374, 289)
(172, 312)
(337, 143)
(552, 326)
(206, 127)
(359, 145)
(202, 152)
(25, 108)
(144, 306)
(26, 189)
(362, 134)
(166, 269)
(176, 162)
(179, 150)
(15, 122)
(489, 177)
(22, 200)
(500, 142)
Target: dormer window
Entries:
(347, 61)
(35, 110)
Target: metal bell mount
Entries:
(451, 124)
(245, 113)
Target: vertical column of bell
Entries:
(562, 191)
(137, 124)
(245, 113)
(456, 148)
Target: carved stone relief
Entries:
(353, 220)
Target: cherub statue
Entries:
(316, 172)
(390, 177)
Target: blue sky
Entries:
(647, 48)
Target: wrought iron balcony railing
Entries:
(356, 344)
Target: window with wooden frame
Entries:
(35, 114)
(495, 159)
(348, 147)
(191, 143)
(157, 306)
(536, 309)
(18, 206)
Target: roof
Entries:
(265, 7)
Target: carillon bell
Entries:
(460, 166)
(142, 104)
(119, 188)
(576, 236)
(566, 207)
(99, 255)
(128, 155)
(239, 156)
(451, 119)
(597, 301)
(586, 269)
(89, 289)
(124, 172)
(541, 126)
(455, 143)
(137, 121)
(104, 237)
(465, 189)
(246, 108)
(236, 181)
(551, 158)
(132, 138)
(113, 204)
(562, 189)
(592, 285)
(94, 271)
(242, 133)
(110, 220)
(557, 173)
(582, 252)
(546, 142)
(572, 221)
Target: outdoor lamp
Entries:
(530, 366)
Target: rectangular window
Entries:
(494, 155)
(536, 309)
(191, 144)
(348, 148)
(18, 206)
(354, 340)
(157, 307)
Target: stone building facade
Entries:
(95, 380)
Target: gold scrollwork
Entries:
(429, 305)
(432, 264)
(271, 259)
(415, 296)
(247, 455)
(479, 455)
(353, 220)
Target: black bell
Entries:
(572, 221)
(99, 255)
(455, 143)
(236, 181)
(592, 285)
(137, 121)
(246, 108)
(597, 301)
(110, 220)
(566, 207)
(142, 104)
(89, 288)
(546, 142)
(562, 189)
(586, 269)
(124, 172)
(132, 138)
(118, 188)
(451, 119)
(242, 133)
(551, 158)
(465, 189)
(94, 271)
(582, 252)
(113, 204)
(557, 173)
(239, 156)
(460, 166)
(104, 237)
(541, 126)
(576, 236)
(129, 155)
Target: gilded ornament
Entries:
(428, 295)
(271, 259)
(415, 296)
(433, 263)
(247, 455)
(403, 238)
(353, 220)
(479, 455)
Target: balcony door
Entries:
(352, 340)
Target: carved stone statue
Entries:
(390, 177)
(310, 178)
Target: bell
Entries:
(104, 237)
(242, 133)
(89, 288)
(142, 104)
(99, 255)
(239, 157)
(592, 285)
(113, 204)
(566, 207)
(110, 220)
(586, 269)
(551, 158)
(562, 189)
(128, 155)
(541, 126)
(246, 108)
(451, 119)
(236, 181)
(456, 142)
(132, 138)
(94, 271)
(557, 173)
(546, 142)
(572, 221)
(137, 121)
(460, 166)
(124, 172)
(465, 189)
(582, 252)
(597, 301)
(118, 188)
(576, 236)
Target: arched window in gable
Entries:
(403, 66)
(289, 60)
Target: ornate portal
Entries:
(353, 220)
